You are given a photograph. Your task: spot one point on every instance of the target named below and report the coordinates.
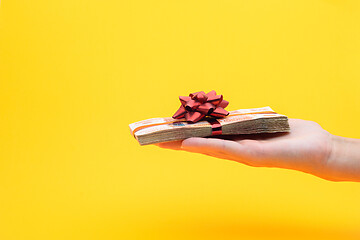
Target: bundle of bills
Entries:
(243, 121)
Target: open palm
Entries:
(306, 148)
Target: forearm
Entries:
(344, 159)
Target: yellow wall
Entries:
(75, 73)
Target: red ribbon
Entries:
(199, 105)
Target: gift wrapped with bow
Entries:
(204, 115)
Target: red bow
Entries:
(199, 105)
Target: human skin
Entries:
(307, 148)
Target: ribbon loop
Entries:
(198, 105)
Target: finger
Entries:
(246, 151)
(214, 146)
(175, 145)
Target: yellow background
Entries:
(75, 73)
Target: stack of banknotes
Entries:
(243, 121)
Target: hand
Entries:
(307, 148)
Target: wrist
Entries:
(343, 161)
(335, 141)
